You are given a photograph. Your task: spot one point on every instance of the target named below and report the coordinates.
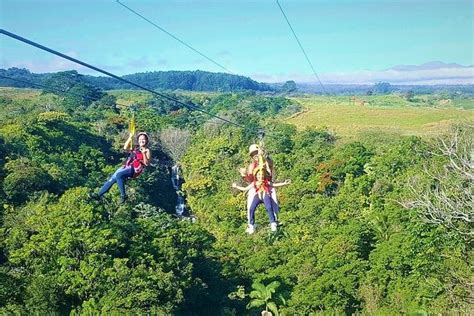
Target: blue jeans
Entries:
(119, 176)
(267, 201)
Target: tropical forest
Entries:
(375, 217)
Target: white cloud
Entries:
(453, 75)
(56, 63)
(426, 74)
(442, 75)
(53, 64)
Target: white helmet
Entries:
(144, 134)
(253, 148)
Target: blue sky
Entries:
(342, 38)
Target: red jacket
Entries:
(135, 160)
(251, 167)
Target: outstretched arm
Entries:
(243, 189)
(128, 143)
(280, 184)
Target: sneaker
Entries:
(123, 199)
(94, 196)
(273, 226)
(250, 229)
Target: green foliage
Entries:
(410, 95)
(107, 102)
(81, 96)
(154, 187)
(78, 93)
(327, 252)
(289, 86)
(18, 73)
(194, 80)
(281, 139)
(58, 155)
(23, 179)
(73, 257)
(53, 116)
(382, 88)
(345, 244)
(261, 296)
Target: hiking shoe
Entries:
(94, 196)
(123, 199)
(273, 226)
(250, 229)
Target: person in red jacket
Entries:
(248, 175)
(263, 194)
(138, 158)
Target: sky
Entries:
(346, 41)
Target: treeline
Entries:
(160, 80)
(355, 236)
(222, 82)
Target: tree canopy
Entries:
(352, 238)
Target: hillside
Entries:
(222, 82)
(161, 80)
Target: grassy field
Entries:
(350, 117)
(19, 94)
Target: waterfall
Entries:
(180, 210)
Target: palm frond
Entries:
(255, 303)
(258, 286)
(256, 294)
(272, 306)
(273, 286)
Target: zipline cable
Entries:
(301, 46)
(261, 133)
(175, 37)
(77, 61)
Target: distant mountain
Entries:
(428, 66)
(162, 80)
(431, 73)
(363, 89)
